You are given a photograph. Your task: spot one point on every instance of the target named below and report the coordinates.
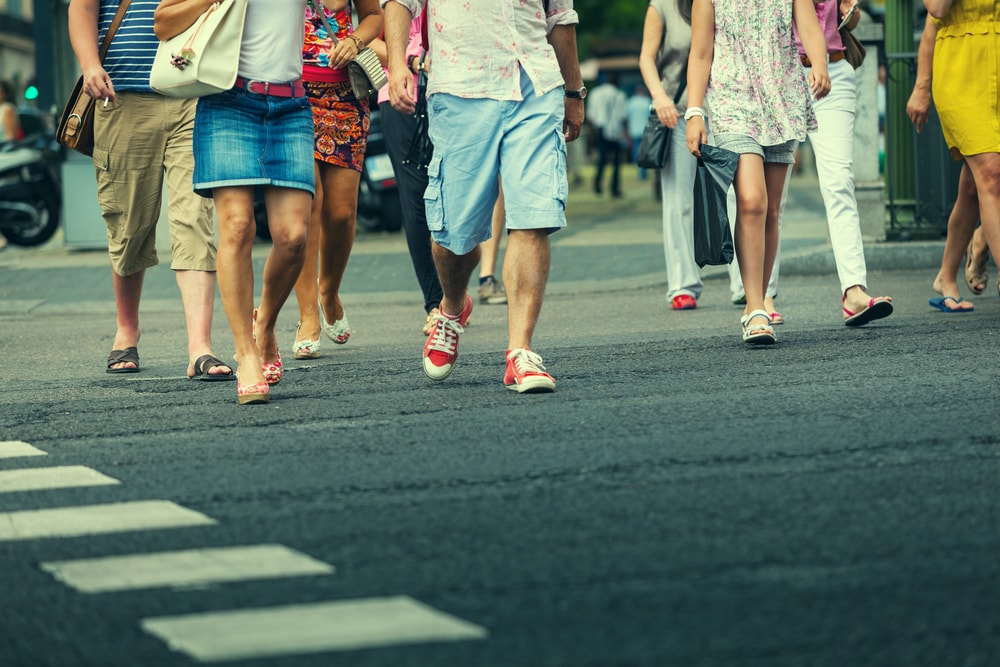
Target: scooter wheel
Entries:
(28, 235)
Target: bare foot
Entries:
(946, 287)
(950, 290)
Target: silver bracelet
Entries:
(694, 111)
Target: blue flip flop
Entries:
(940, 302)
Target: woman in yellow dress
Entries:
(964, 87)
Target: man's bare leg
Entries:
(128, 291)
(197, 290)
(525, 273)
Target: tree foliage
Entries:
(609, 25)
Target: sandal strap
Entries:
(128, 355)
(207, 362)
(745, 320)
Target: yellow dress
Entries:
(966, 64)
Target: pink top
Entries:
(318, 43)
(828, 13)
(413, 48)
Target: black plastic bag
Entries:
(421, 149)
(713, 240)
(654, 147)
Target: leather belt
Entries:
(290, 89)
(831, 57)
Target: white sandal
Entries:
(757, 334)
(339, 331)
(305, 349)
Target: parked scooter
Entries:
(379, 208)
(30, 194)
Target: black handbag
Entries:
(713, 240)
(654, 147)
(420, 150)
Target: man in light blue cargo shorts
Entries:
(504, 96)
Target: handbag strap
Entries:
(110, 34)
(319, 9)
(684, 83)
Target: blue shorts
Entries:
(741, 143)
(243, 138)
(477, 140)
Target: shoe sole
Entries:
(533, 387)
(760, 339)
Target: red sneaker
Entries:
(525, 373)
(684, 302)
(441, 348)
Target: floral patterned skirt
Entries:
(341, 122)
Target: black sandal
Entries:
(128, 355)
(207, 362)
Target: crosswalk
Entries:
(253, 633)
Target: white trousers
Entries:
(833, 146)
(677, 183)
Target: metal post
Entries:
(899, 151)
(45, 67)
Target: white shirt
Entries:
(607, 110)
(478, 48)
(272, 40)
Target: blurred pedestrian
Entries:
(10, 123)
(607, 114)
(666, 42)
(490, 289)
(637, 111)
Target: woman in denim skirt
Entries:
(259, 133)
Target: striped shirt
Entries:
(130, 57)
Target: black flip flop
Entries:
(129, 354)
(207, 362)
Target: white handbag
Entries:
(202, 60)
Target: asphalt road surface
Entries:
(679, 500)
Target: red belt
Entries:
(832, 57)
(293, 89)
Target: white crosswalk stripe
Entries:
(10, 449)
(61, 477)
(98, 519)
(309, 628)
(178, 569)
(218, 636)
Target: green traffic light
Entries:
(31, 93)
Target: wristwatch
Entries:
(358, 42)
(578, 94)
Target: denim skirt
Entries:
(243, 138)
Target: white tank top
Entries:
(272, 40)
